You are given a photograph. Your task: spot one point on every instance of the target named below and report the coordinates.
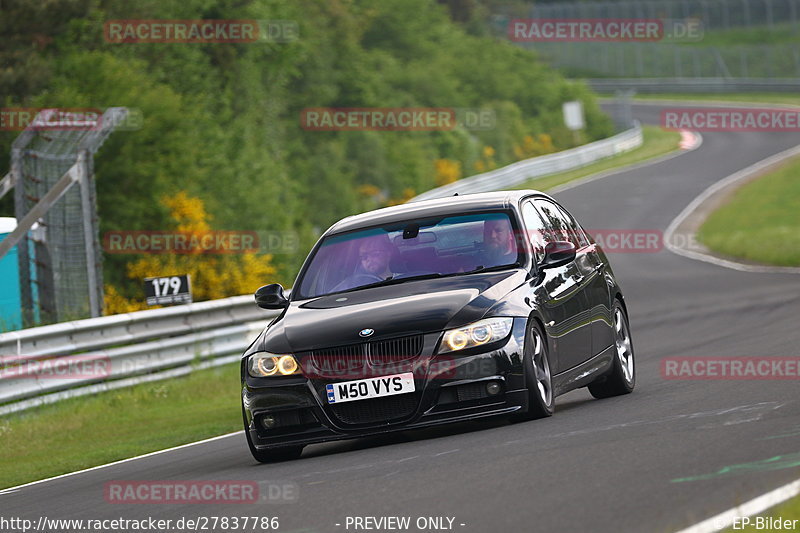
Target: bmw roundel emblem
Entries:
(366, 332)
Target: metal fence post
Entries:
(23, 258)
(90, 235)
(768, 6)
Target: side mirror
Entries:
(271, 297)
(557, 253)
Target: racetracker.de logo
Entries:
(180, 242)
(200, 242)
(630, 241)
(65, 367)
(730, 368)
(199, 492)
(731, 119)
(200, 31)
(585, 30)
(357, 367)
(378, 119)
(65, 119)
(604, 30)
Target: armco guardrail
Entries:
(125, 347)
(161, 343)
(522, 171)
(696, 85)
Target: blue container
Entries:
(10, 299)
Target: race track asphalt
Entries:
(668, 455)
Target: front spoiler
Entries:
(513, 401)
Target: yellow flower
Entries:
(212, 276)
(447, 171)
(189, 212)
(370, 191)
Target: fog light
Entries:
(268, 422)
(493, 388)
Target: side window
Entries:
(559, 228)
(575, 230)
(536, 230)
(563, 226)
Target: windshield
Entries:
(416, 248)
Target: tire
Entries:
(271, 455)
(622, 378)
(538, 377)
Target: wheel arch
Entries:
(621, 299)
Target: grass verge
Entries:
(657, 142)
(760, 222)
(93, 430)
(779, 34)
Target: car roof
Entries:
(460, 204)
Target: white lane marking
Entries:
(445, 453)
(656, 102)
(121, 461)
(348, 468)
(757, 505)
(407, 459)
(705, 195)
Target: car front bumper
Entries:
(448, 388)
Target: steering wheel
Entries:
(365, 279)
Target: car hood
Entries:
(414, 306)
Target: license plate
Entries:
(362, 389)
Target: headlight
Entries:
(475, 334)
(263, 364)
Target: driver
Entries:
(374, 255)
(498, 242)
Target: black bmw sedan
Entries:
(433, 312)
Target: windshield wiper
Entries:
(482, 268)
(394, 280)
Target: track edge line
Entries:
(121, 461)
(757, 505)
(713, 189)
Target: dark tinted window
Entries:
(445, 246)
(580, 236)
(561, 224)
(536, 230)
